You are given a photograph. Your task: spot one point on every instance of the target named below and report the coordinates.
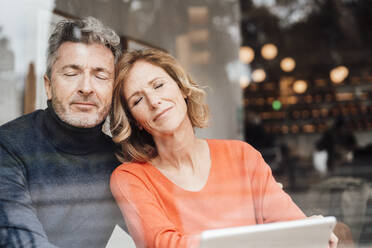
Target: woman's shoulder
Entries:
(230, 144)
(128, 174)
(138, 169)
(234, 148)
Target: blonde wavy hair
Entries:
(137, 144)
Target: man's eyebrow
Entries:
(78, 67)
(72, 66)
(99, 69)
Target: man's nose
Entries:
(85, 85)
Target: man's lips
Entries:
(84, 104)
(161, 113)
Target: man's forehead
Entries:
(94, 54)
(83, 48)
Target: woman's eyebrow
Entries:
(135, 93)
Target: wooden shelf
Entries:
(315, 110)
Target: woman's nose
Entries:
(154, 101)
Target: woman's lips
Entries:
(161, 113)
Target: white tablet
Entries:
(312, 233)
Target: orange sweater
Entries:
(240, 191)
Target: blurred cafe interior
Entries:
(291, 77)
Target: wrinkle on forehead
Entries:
(86, 55)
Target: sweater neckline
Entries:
(73, 140)
(169, 182)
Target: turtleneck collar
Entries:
(74, 140)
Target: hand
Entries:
(333, 240)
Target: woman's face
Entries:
(154, 99)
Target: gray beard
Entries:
(76, 119)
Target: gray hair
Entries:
(87, 30)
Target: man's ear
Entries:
(48, 87)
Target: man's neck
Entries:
(72, 139)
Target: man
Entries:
(55, 163)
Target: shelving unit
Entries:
(314, 110)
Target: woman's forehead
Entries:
(142, 73)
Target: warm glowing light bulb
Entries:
(258, 75)
(244, 81)
(246, 54)
(339, 74)
(269, 51)
(299, 86)
(287, 64)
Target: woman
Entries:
(178, 185)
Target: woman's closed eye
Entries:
(158, 85)
(136, 101)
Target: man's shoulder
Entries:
(22, 120)
(19, 127)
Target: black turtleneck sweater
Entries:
(54, 183)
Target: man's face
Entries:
(81, 83)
